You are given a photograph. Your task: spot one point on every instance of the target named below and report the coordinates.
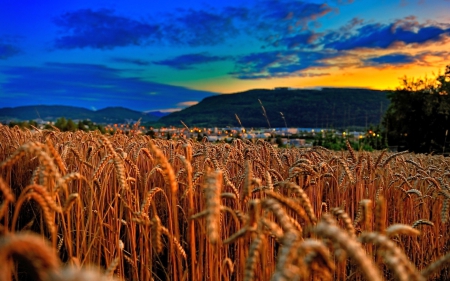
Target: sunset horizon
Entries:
(154, 56)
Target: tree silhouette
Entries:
(418, 116)
(70, 126)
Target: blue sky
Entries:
(166, 55)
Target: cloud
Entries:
(271, 21)
(288, 15)
(89, 85)
(286, 22)
(179, 106)
(138, 62)
(379, 36)
(200, 27)
(279, 64)
(303, 39)
(102, 29)
(8, 50)
(399, 59)
(391, 59)
(188, 61)
(187, 103)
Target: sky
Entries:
(150, 55)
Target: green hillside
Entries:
(329, 107)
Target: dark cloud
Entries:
(8, 50)
(102, 29)
(201, 28)
(89, 85)
(138, 62)
(189, 61)
(288, 15)
(399, 59)
(277, 64)
(304, 39)
(391, 59)
(272, 21)
(286, 23)
(407, 31)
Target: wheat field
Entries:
(87, 206)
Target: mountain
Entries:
(328, 107)
(158, 114)
(53, 112)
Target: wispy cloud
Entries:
(382, 36)
(8, 50)
(89, 85)
(391, 59)
(101, 29)
(304, 39)
(400, 59)
(189, 61)
(200, 27)
(287, 15)
(279, 64)
(187, 104)
(139, 62)
(271, 21)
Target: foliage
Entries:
(368, 142)
(418, 116)
(151, 134)
(23, 124)
(375, 138)
(69, 125)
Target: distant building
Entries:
(297, 142)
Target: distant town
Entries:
(332, 138)
(294, 137)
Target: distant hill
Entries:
(329, 107)
(158, 114)
(53, 112)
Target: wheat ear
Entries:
(351, 247)
(8, 197)
(380, 215)
(395, 259)
(404, 229)
(435, 266)
(339, 213)
(31, 251)
(252, 258)
(317, 258)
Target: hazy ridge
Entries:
(52, 112)
(329, 107)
